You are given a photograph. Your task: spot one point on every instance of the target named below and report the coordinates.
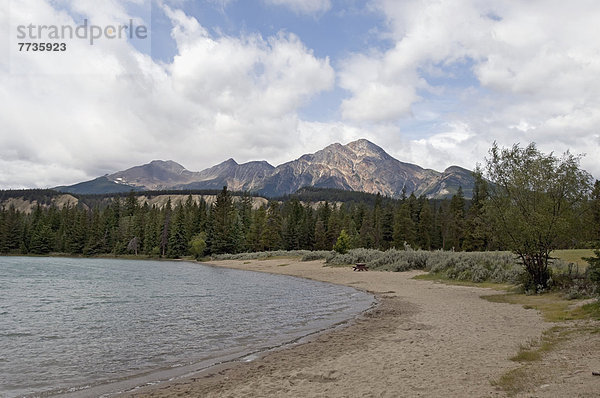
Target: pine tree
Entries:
(224, 231)
(321, 242)
(387, 228)
(367, 233)
(178, 242)
(307, 229)
(457, 217)
(131, 204)
(292, 224)
(272, 238)
(254, 236)
(477, 234)
(425, 228)
(166, 227)
(404, 227)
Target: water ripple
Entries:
(69, 323)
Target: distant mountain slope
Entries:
(237, 177)
(99, 185)
(357, 166)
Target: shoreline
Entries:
(131, 383)
(422, 339)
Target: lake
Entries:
(104, 325)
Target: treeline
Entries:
(123, 226)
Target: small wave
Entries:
(16, 334)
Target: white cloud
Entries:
(220, 97)
(536, 63)
(310, 7)
(531, 75)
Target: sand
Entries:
(424, 339)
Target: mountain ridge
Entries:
(357, 166)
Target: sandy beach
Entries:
(424, 339)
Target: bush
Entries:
(305, 255)
(318, 255)
(500, 267)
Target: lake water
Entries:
(84, 325)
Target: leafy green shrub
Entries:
(593, 271)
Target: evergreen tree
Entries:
(321, 241)
(178, 242)
(426, 226)
(254, 238)
(272, 238)
(245, 218)
(224, 233)
(477, 234)
(41, 236)
(131, 204)
(404, 227)
(387, 228)
(166, 227)
(456, 220)
(306, 229)
(367, 233)
(292, 224)
(334, 226)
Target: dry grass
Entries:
(574, 256)
(553, 306)
(441, 279)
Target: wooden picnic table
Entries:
(360, 267)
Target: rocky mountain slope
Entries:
(357, 166)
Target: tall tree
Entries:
(272, 237)
(224, 233)
(456, 220)
(178, 241)
(595, 207)
(535, 202)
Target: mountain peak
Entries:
(364, 147)
(230, 161)
(166, 164)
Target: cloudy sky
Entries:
(432, 82)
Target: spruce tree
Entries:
(224, 233)
(178, 242)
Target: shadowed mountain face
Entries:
(357, 166)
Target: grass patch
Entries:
(534, 350)
(282, 265)
(527, 376)
(574, 256)
(455, 282)
(513, 381)
(526, 355)
(591, 310)
(553, 307)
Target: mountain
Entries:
(98, 185)
(357, 166)
(237, 177)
